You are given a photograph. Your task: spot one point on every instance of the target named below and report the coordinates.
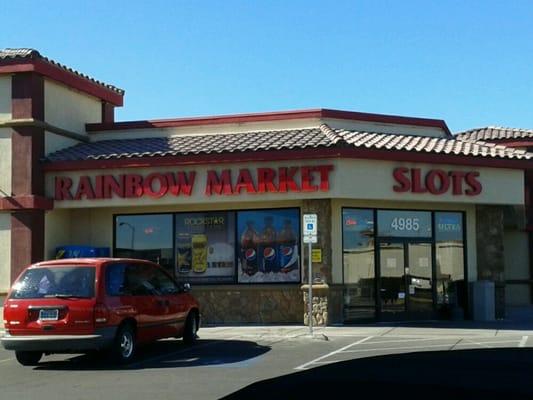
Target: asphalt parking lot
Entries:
(404, 361)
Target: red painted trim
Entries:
(28, 202)
(268, 116)
(283, 155)
(61, 75)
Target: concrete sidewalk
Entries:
(426, 328)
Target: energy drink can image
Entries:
(183, 253)
(199, 253)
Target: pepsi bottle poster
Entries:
(268, 246)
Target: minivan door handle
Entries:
(163, 303)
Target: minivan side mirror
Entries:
(185, 287)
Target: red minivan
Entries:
(80, 305)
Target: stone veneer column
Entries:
(489, 248)
(322, 272)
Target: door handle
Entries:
(163, 303)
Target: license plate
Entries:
(48, 315)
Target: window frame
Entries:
(235, 212)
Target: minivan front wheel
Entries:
(125, 344)
(28, 358)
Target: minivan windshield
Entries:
(55, 281)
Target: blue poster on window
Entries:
(268, 248)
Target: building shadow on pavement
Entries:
(166, 354)
(469, 374)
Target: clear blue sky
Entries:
(467, 62)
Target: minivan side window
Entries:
(162, 283)
(137, 278)
(115, 280)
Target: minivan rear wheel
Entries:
(191, 328)
(125, 344)
(28, 358)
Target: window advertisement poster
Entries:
(396, 223)
(205, 247)
(268, 248)
(449, 226)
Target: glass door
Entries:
(392, 279)
(419, 274)
(405, 280)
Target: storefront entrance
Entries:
(405, 280)
(403, 264)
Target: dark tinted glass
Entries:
(358, 252)
(398, 223)
(147, 237)
(451, 288)
(56, 281)
(114, 280)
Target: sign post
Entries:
(310, 237)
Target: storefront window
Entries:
(147, 237)
(450, 258)
(359, 269)
(268, 248)
(406, 224)
(205, 247)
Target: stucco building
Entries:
(409, 217)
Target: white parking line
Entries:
(398, 348)
(304, 366)
(411, 340)
(523, 342)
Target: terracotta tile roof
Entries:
(495, 133)
(322, 136)
(32, 54)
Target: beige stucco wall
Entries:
(54, 142)
(5, 251)
(5, 162)
(516, 253)
(208, 129)
(69, 109)
(5, 97)
(338, 204)
(379, 127)
(303, 123)
(57, 231)
(350, 179)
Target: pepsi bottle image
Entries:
(288, 252)
(249, 249)
(267, 248)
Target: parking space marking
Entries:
(412, 345)
(399, 348)
(304, 366)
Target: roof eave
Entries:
(56, 73)
(284, 155)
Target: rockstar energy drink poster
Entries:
(205, 247)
